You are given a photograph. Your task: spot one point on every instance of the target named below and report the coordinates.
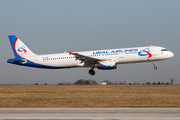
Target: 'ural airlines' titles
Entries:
(115, 51)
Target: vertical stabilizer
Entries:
(19, 48)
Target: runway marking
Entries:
(115, 111)
(91, 113)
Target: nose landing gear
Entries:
(91, 72)
(155, 67)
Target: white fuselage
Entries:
(121, 56)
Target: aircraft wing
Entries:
(84, 58)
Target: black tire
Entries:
(91, 72)
(155, 67)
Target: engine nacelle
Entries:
(107, 65)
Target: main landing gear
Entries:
(91, 72)
(155, 67)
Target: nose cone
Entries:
(171, 54)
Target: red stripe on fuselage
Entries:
(150, 55)
(102, 64)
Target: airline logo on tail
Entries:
(22, 49)
(145, 52)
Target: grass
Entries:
(89, 96)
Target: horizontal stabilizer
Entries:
(17, 60)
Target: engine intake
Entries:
(107, 65)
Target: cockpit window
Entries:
(163, 49)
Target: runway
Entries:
(91, 113)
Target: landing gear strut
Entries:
(91, 72)
(155, 67)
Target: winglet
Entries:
(69, 52)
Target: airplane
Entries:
(101, 59)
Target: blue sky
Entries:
(56, 26)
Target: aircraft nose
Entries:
(171, 54)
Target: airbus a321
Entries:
(101, 59)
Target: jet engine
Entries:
(107, 65)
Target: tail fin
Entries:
(19, 48)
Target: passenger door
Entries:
(154, 51)
(121, 56)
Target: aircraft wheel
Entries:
(91, 72)
(155, 67)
